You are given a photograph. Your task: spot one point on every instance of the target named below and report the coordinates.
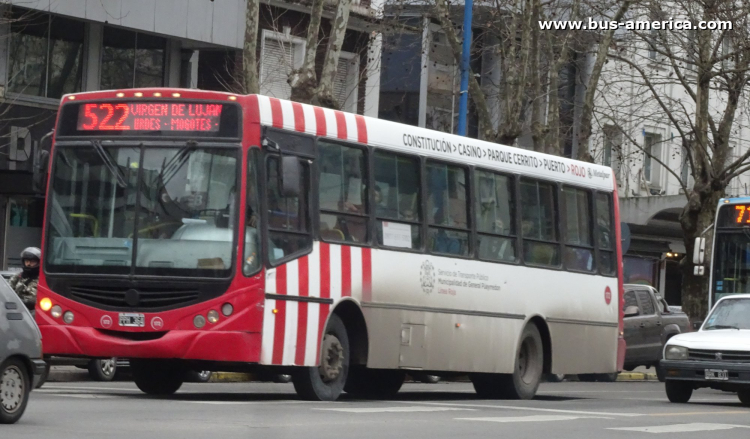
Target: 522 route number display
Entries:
(154, 116)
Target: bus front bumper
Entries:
(224, 346)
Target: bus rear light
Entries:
(45, 304)
(68, 317)
(199, 321)
(56, 311)
(227, 309)
(213, 316)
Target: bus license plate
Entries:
(133, 320)
(716, 374)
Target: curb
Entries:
(637, 376)
(230, 377)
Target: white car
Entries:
(716, 356)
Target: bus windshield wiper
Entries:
(171, 167)
(107, 160)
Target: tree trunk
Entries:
(697, 215)
(304, 80)
(587, 110)
(250, 48)
(538, 130)
(324, 93)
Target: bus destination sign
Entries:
(149, 116)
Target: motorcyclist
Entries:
(25, 282)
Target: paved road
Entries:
(445, 410)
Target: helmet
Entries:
(31, 253)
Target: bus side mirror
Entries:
(291, 176)
(41, 164)
(699, 250)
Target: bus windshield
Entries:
(731, 264)
(142, 210)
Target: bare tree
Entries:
(695, 81)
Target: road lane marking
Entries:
(532, 418)
(533, 409)
(728, 412)
(395, 409)
(681, 428)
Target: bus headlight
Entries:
(673, 352)
(68, 317)
(56, 311)
(199, 321)
(227, 309)
(213, 316)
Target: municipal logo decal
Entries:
(427, 277)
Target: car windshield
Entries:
(731, 264)
(142, 210)
(729, 314)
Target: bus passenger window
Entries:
(539, 223)
(579, 247)
(447, 209)
(252, 242)
(288, 225)
(397, 200)
(342, 193)
(605, 234)
(495, 211)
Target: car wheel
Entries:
(282, 378)
(15, 386)
(587, 377)
(678, 391)
(103, 369)
(555, 377)
(606, 377)
(326, 382)
(429, 379)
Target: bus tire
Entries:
(527, 374)
(678, 391)
(373, 383)
(326, 382)
(156, 377)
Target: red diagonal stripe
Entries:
(276, 113)
(280, 323)
(366, 274)
(340, 124)
(325, 292)
(320, 121)
(299, 358)
(361, 129)
(299, 117)
(346, 271)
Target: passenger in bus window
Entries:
(579, 259)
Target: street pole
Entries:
(463, 102)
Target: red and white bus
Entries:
(199, 230)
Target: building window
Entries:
(346, 81)
(280, 55)
(652, 147)
(442, 83)
(495, 211)
(400, 76)
(612, 153)
(45, 55)
(131, 59)
(539, 223)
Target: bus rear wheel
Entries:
(374, 383)
(158, 378)
(326, 382)
(527, 373)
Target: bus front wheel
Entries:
(157, 378)
(326, 382)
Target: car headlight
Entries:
(673, 352)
